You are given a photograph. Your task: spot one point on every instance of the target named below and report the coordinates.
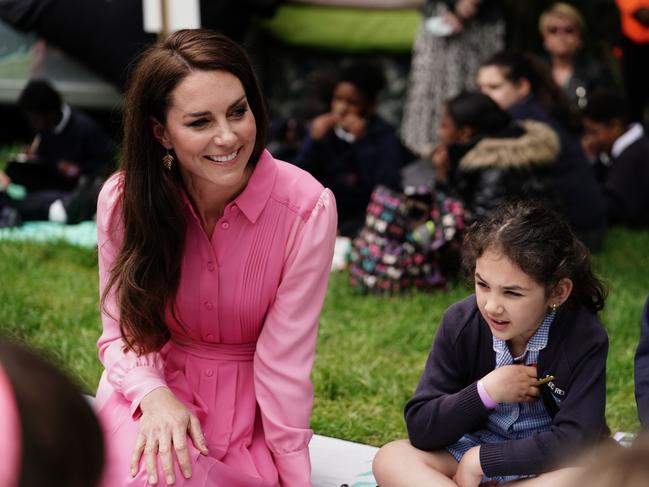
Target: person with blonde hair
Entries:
(577, 73)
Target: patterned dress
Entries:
(441, 68)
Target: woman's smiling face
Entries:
(211, 130)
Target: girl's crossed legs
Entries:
(399, 464)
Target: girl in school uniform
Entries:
(515, 381)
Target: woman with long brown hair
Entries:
(213, 260)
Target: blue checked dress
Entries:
(511, 421)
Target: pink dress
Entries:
(250, 298)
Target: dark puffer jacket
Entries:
(513, 164)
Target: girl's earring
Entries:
(167, 161)
(554, 307)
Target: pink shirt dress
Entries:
(249, 299)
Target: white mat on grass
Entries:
(335, 462)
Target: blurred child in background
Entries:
(488, 159)
(351, 149)
(63, 168)
(519, 84)
(625, 175)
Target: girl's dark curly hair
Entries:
(541, 243)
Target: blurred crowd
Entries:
(585, 153)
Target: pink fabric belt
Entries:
(238, 352)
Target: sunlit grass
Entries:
(371, 349)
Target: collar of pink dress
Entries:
(254, 197)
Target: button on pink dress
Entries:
(249, 299)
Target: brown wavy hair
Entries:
(146, 272)
(540, 242)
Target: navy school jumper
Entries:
(446, 404)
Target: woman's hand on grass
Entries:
(164, 426)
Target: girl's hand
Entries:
(441, 163)
(454, 22)
(354, 124)
(512, 383)
(469, 471)
(164, 425)
(322, 124)
(68, 169)
(465, 9)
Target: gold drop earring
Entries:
(167, 161)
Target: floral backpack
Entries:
(409, 240)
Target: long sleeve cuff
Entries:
(491, 459)
(294, 468)
(486, 398)
(139, 382)
(470, 401)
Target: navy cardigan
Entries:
(642, 369)
(446, 404)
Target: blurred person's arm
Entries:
(641, 369)
(68, 169)
(5, 181)
(441, 164)
(321, 125)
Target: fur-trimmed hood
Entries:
(538, 146)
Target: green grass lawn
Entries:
(371, 349)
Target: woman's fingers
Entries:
(140, 442)
(166, 459)
(196, 433)
(164, 427)
(182, 452)
(150, 452)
